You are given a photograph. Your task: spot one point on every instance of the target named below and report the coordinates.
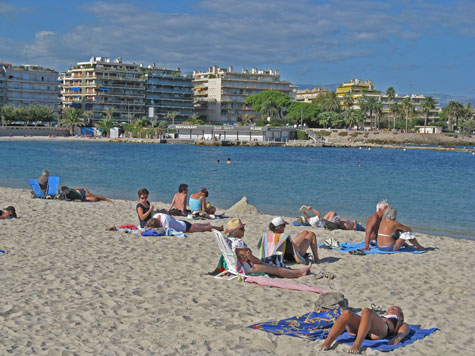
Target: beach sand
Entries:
(69, 287)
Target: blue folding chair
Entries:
(53, 186)
(36, 188)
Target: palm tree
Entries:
(369, 105)
(71, 119)
(454, 111)
(407, 106)
(331, 102)
(194, 117)
(378, 110)
(352, 117)
(428, 104)
(268, 109)
(109, 113)
(171, 116)
(390, 93)
(246, 119)
(106, 124)
(395, 111)
(347, 100)
(87, 115)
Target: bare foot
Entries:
(354, 350)
(305, 270)
(326, 345)
(220, 228)
(108, 200)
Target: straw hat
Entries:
(234, 224)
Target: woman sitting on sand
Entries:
(166, 221)
(198, 203)
(369, 325)
(299, 244)
(250, 263)
(144, 208)
(388, 233)
(8, 213)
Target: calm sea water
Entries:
(433, 191)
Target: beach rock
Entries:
(242, 207)
(331, 301)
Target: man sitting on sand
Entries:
(372, 226)
(8, 213)
(179, 200)
(82, 194)
(43, 180)
(250, 263)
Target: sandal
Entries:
(357, 252)
(329, 275)
(320, 275)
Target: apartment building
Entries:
(168, 91)
(416, 100)
(103, 83)
(220, 93)
(28, 85)
(307, 95)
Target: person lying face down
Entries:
(8, 213)
(82, 194)
(166, 221)
(249, 262)
(369, 325)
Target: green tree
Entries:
(194, 117)
(269, 109)
(428, 104)
(368, 104)
(8, 113)
(71, 119)
(301, 113)
(347, 100)
(327, 118)
(331, 102)
(171, 116)
(390, 93)
(87, 116)
(106, 124)
(163, 124)
(407, 107)
(41, 113)
(454, 111)
(23, 114)
(378, 110)
(109, 113)
(276, 98)
(245, 119)
(396, 111)
(353, 117)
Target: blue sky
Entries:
(416, 46)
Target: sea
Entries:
(433, 191)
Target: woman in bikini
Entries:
(369, 325)
(388, 232)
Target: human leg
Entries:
(303, 241)
(279, 271)
(417, 244)
(347, 320)
(204, 227)
(330, 215)
(372, 324)
(96, 197)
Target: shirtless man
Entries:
(82, 194)
(43, 180)
(372, 226)
(179, 200)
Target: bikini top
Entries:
(393, 319)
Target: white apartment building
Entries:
(103, 83)
(28, 85)
(307, 95)
(220, 93)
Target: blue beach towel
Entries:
(352, 246)
(168, 232)
(316, 326)
(296, 223)
(3, 251)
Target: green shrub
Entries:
(366, 134)
(375, 133)
(323, 133)
(354, 134)
(343, 133)
(302, 135)
(261, 122)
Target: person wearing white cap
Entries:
(249, 262)
(300, 243)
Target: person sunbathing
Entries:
(369, 325)
(82, 194)
(179, 200)
(300, 243)
(8, 213)
(388, 233)
(166, 221)
(250, 263)
(332, 216)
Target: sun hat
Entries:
(279, 221)
(234, 224)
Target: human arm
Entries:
(143, 214)
(246, 253)
(402, 332)
(399, 226)
(316, 212)
(203, 203)
(172, 203)
(370, 225)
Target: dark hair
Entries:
(204, 191)
(64, 187)
(153, 223)
(272, 227)
(142, 191)
(182, 187)
(12, 211)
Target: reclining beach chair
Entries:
(53, 186)
(270, 243)
(228, 255)
(36, 188)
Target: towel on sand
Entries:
(316, 325)
(296, 223)
(281, 283)
(352, 246)
(168, 232)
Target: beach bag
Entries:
(328, 225)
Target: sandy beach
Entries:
(69, 287)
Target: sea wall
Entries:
(32, 131)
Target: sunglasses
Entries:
(144, 197)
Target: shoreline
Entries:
(293, 143)
(75, 288)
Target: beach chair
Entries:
(36, 188)
(228, 255)
(53, 186)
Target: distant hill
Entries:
(443, 99)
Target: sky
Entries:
(417, 46)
